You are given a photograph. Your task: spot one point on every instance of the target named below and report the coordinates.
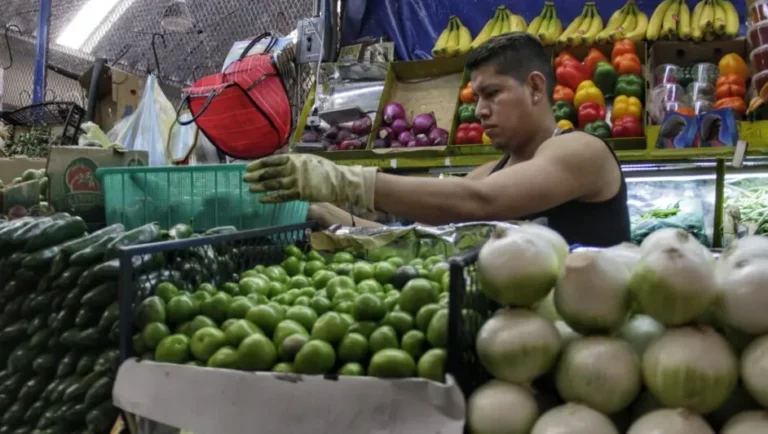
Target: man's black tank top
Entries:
(593, 224)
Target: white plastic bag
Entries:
(147, 128)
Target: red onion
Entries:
(396, 144)
(405, 137)
(387, 134)
(362, 126)
(438, 135)
(422, 140)
(392, 112)
(399, 126)
(423, 123)
(350, 144)
(344, 135)
(412, 144)
(310, 137)
(379, 144)
(331, 133)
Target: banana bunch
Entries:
(503, 21)
(454, 40)
(670, 20)
(547, 26)
(584, 28)
(626, 23)
(714, 18)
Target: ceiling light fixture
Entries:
(90, 16)
(177, 17)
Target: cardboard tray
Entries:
(218, 401)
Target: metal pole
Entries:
(41, 52)
(93, 89)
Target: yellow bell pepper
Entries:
(565, 124)
(588, 92)
(486, 139)
(627, 106)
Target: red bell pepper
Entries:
(563, 56)
(590, 112)
(469, 133)
(571, 73)
(627, 126)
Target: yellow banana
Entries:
(485, 33)
(657, 19)
(719, 17)
(555, 27)
(465, 38)
(731, 19)
(696, 32)
(499, 25)
(545, 24)
(452, 48)
(439, 49)
(535, 25)
(596, 26)
(571, 29)
(707, 17)
(669, 25)
(574, 39)
(642, 25)
(684, 23)
(613, 26)
(505, 19)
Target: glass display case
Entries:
(745, 208)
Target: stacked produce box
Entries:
(59, 328)
(656, 338)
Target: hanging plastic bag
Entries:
(146, 129)
(182, 138)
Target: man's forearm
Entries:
(328, 215)
(430, 200)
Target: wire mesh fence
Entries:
(124, 38)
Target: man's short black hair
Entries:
(516, 54)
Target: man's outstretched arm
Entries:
(565, 168)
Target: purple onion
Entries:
(396, 144)
(405, 137)
(399, 126)
(436, 134)
(331, 133)
(392, 112)
(412, 144)
(440, 141)
(362, 126)
(345, 135)
(423, 123)
(379, 144)
(422, 140)
(386, 133)
(350, 144)
(310, 137)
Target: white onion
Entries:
(546, 307)
(690, 367)
(674, 282)
(573, 419)
(498, 407)
(748, 422)
(749, 247)
(592, 295)
(754, 369)
(517, 345)
(601, 372)
(517, 268)
(567, 335)
(743, 295)
(627, 253)
(640, 331)
(669, 421)
(552, 237)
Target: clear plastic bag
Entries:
(147, 128)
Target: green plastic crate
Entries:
(204, 196)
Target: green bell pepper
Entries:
(599, 129)
(467, 113)
(630, 85)
(564, 110)
(604, 77)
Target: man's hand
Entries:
(311, 178)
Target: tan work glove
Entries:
(311, 178)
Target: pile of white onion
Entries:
(622, 333)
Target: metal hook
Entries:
(154, 51)
(8, 43)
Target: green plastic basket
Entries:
(204, 196)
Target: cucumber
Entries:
(59, 264)
(86, 364)
(68, 279)
(100, 296)
(142, 235)
(110, 315)
(21, 237)
(57, 233)
(100, 391)
(74, 246)
(110, 270)
(93, 253)
(87, 317)
(68, 364)
(101, 418)
(10, 229)
(77, 391)
(107, 362)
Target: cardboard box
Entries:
(14, 167)
(74, 187)
(212, 401)
(119, 95)
(20, 199)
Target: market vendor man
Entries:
(572, 180)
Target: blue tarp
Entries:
(415, 25)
